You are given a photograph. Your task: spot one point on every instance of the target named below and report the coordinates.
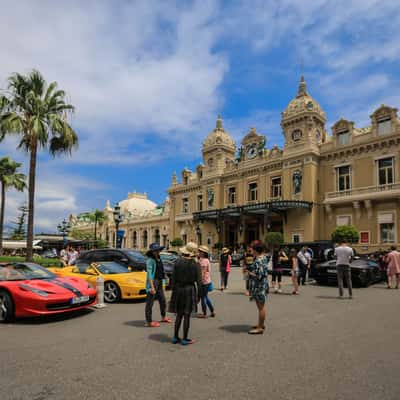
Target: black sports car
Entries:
(363, 272)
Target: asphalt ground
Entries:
(315, 347)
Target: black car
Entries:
(320, 251)
(130, 258)
(168, 259)
(364, 272)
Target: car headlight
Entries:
(34, 290)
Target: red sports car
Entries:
(27, 289)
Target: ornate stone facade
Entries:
(305, 189)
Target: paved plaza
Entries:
(315, 347)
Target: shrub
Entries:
(274, 239)
(177, 242)
(345, 233)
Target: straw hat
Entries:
(225, 250)
(204, 249)
(190, 249)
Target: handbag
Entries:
(211, 287)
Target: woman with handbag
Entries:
(225, 268)
(207, 285)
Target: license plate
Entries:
(78, 300)
(332, 271)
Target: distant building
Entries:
(305, 189)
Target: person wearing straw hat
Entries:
(225, 267)
(154, 286)
(186, 291)
(206, 281)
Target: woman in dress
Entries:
(225, 267)
(205, 281)
(186, 291)
(258, 284)
(295, 271)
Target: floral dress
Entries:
(258, 285)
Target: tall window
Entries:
(343, 138)
(134, 240)
(384, 126)
(232, 195)
(343, 176)
(145, 239)
(185, 205)
(387, 227)
(200, 202)
(385, 171)
(253, 191)
(276, 187)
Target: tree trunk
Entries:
(3, 206)
(31, 201)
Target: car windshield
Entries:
(20, 272)
(168, 257)
(112, 268)
(136, 256)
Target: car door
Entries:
(86, 272)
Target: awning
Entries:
(20, 244)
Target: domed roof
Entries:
(303, 102)
(137, 204)
(219, 136)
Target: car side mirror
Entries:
(90, 271)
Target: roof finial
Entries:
(219, 122)
(174, 178)
(302, 87)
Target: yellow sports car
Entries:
(119, 281)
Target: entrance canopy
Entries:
(275, 206)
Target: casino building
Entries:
(305, 189)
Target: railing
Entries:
(364, 190)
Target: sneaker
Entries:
(175, 340)
(185, 342)
(275, 290)
(212, 315)
(166, 320)
(152, 324)
(279, 290)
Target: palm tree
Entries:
(37, 112)
(9, 178)
(98, 217)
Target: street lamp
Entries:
(64, 227)
(198, 232)
(117, 220)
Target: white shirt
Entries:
(343, 255)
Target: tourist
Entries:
(186, 283)
(344, 255)
(383, 266)
(205, 281)
(225, 267)
(154, 286)
(258, 274)
(72, 256)
(278, 256)
(393, 260)
(247, 261)
(295, 270)
(303, 265)
(64, 256)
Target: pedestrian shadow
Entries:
(160, 337)
(136, 324)
(235, 328)
(327, 297)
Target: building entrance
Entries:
(251, 232)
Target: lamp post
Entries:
(198, 232)
(117, 219)
(64, 227)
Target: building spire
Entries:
(302, 87)
(174, 179)
(219, 123)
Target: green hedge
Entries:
(44, 262)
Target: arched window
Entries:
(145, 239)
(157, 237)
(134, 240)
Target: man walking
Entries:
(344, 255)
(303, 263)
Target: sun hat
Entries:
(204, 249)
(156, 247)
(225, 250)
(190, 249)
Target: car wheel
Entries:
(112, 292)
(6, 307)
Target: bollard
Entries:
(100, 292)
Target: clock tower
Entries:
(253, 146)
(303, 121)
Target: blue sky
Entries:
(148, 79)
